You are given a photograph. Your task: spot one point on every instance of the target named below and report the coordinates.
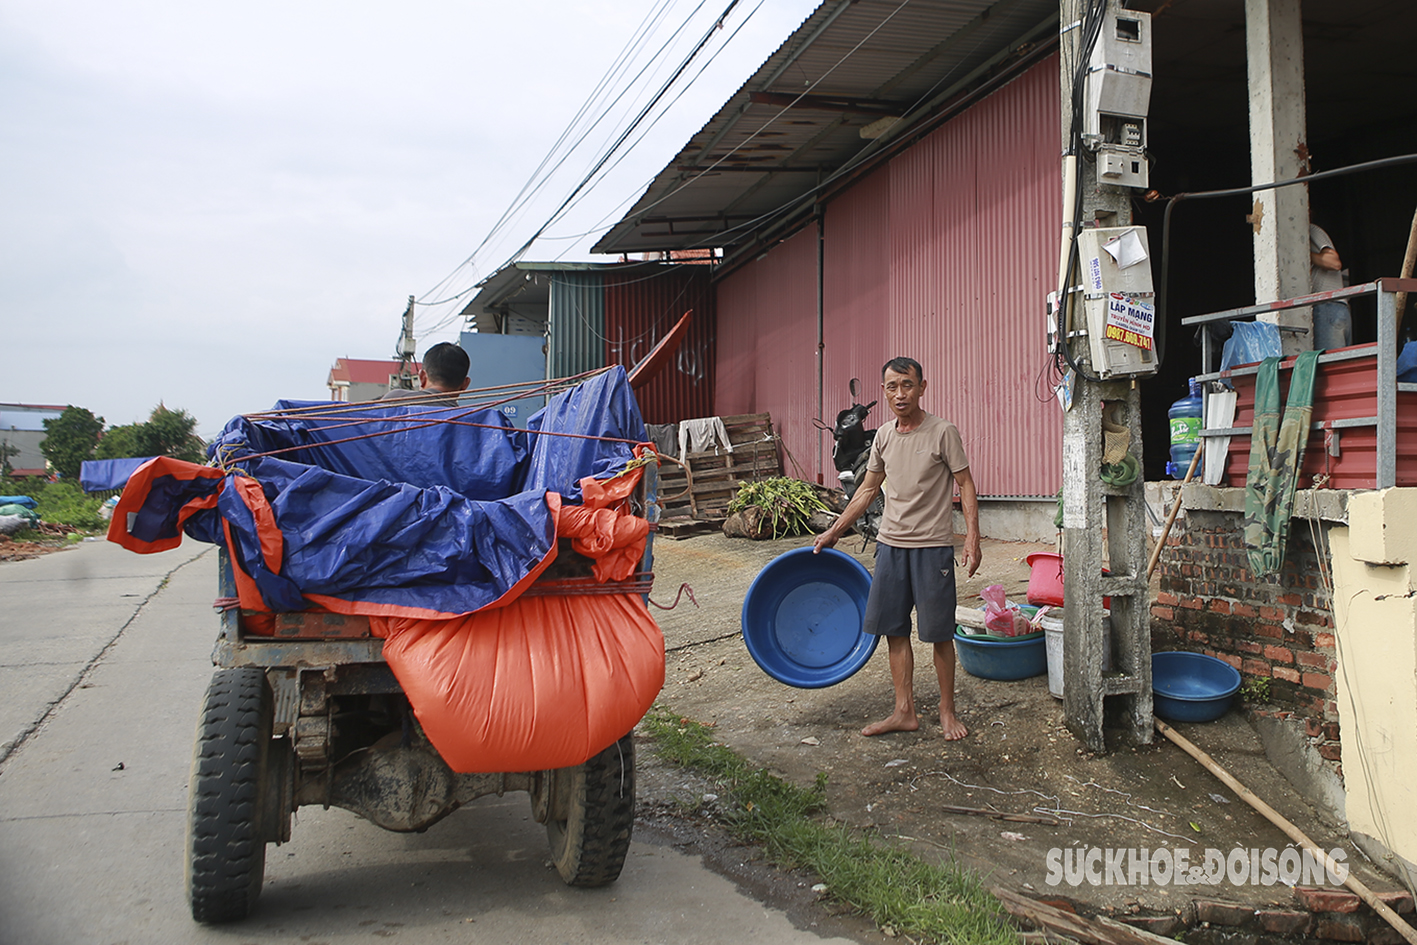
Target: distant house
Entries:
(355, 381)
(22, 428)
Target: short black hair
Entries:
(446, 364)
(904, 366)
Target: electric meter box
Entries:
(1118, 300)
(1118, 95)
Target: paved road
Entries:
(104, 657)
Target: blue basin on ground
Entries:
(1005, 659)
(1192, 687)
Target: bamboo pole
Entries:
(1294, 833)
(1175, 508)
(1409, 259)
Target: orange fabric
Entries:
(603, 527)
(136, 492)
(246, 591)
(615, 539)
(544, 682)
(272, 541)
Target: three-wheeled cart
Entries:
(304, 710)
(313, 715)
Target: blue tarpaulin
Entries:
(444, 512)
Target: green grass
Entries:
(943, 903)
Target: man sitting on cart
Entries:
(444, 371)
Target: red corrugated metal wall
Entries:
(767, 346)
(944, 255)
(858, 301)
(640, 309)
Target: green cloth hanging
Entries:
(1276, 454)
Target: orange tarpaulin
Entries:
(544, 682)
(540, 682)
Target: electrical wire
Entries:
(663, 90)
(637, 39)
(620, 137)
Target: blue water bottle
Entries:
(1185, 417)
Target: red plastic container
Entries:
(1045, 580)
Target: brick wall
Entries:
(1280, 630)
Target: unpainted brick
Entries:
(1327, 899)
(1255, 668)
(1399, 901)
(1222, 913)
(1284, 922)
(1321, 681)
(1339, 928)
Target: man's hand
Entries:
(867, 491)
(973, 554)
(969, 502)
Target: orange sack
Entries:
(544, 682)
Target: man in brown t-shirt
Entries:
(918, 458)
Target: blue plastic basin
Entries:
(1002, 659)
(802, 618)
(1191, 687)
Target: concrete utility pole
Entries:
(406, 350)
(1279, 150)
(1089, 505)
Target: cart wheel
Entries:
(229, 790)
(597, 800)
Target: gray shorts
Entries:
(922, 578)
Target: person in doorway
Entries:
(444, 370)
(1333, 323)
(917, 458)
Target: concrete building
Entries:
(22, 429)
(355, 381)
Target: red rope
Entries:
(555, 384)
(428, 423)
(683, 589)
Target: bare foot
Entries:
(952, 727)
(896, 723)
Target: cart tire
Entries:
(590, 845)
(226, 842)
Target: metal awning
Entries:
(854, 80)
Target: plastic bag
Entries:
(1250, 343)
(1407, 363)
(1002, 617)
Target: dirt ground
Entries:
(1019, 757)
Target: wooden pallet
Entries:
(683, 527)
(716, 476)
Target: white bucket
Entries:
(1053, 642)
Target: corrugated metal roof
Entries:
(803, 117)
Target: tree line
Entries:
(77, 435)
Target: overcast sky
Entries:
(206, 204)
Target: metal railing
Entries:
(1385, 420)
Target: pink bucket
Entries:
(1045, 580)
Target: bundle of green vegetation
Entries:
(773, 508)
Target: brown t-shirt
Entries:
(919, 487)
